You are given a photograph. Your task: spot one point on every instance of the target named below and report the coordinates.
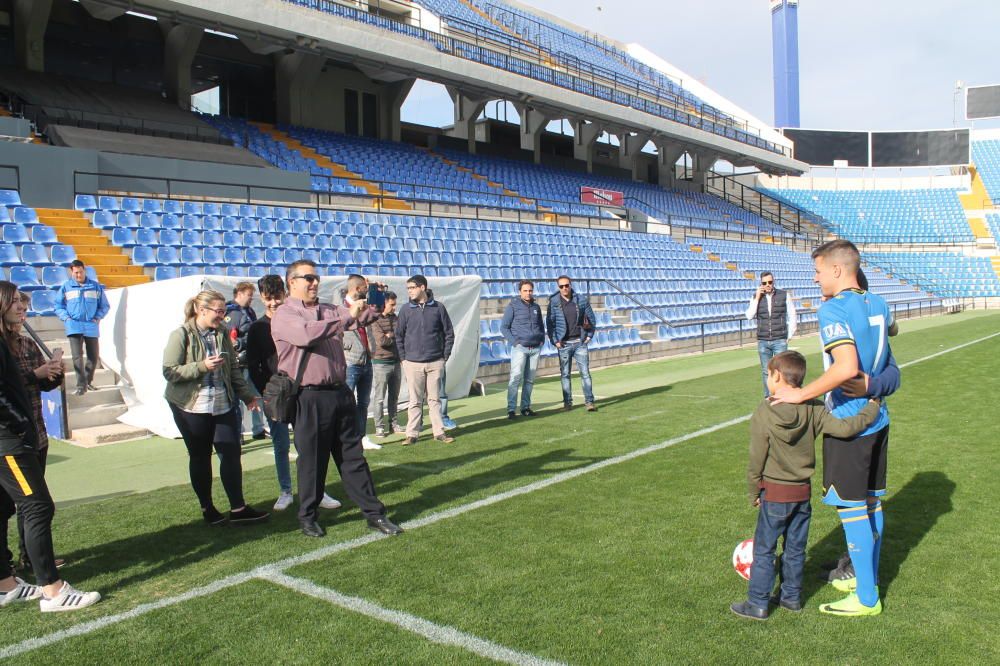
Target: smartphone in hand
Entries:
(57, 354)
(376, 296)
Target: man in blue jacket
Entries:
(523, 329)
(82, 305)
(570, 325)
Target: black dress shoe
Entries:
(794, 606)
(511, 415)
(312, 529)
(80, 390)
(385, 526)
(527, 412)
(91, 387)
(748, 610)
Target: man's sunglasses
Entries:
(565, 286)
(767, 282)
(312, 277)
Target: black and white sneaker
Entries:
(247, 515)
(22, 592)
(68, 599)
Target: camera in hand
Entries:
(376, 296)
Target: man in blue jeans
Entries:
(358, 354)
(523, 329)
(569, 321)
(776, 321)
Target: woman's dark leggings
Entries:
(201, 432)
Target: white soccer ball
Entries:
(743, 558)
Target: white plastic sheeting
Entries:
(141, 318)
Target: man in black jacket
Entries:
(22, 488)
(424, 338)
(239, 318)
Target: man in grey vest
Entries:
(776, 321)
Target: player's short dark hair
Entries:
(842, 251)
(791, 365)
(77, 263)
(271, 285)
(764, 274)
(391, 296)
(521, 284)
(418, 280)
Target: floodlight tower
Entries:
(785, 39)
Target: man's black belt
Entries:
(324, 387)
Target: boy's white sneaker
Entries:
(329, 503)
(68, 599)
(284, 501)
(369, 445)
(22, 592)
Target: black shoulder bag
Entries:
(281, 393)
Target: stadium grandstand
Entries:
(165, 141)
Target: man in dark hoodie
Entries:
(239, 318)
(424, 339)
(782, 460)
(523, 329)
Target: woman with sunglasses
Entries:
(203, 384)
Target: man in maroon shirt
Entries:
(326, 420)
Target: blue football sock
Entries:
(876, 519)
(861, 546)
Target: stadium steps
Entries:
(977, 198)
(93, 247)
(500, 187)
(93, 417)
(995, 261)
(389, 202)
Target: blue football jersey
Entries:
(862, 319)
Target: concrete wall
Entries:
(47, 175)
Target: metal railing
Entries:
(786, 215)
(62, 386)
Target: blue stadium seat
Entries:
(191, 256)
(53, 276)
(212, 255)
(35, 255)
(26, 278)
(62, 254)
(44, 234)
(122, 237)
(84, 202)
(109, 203)
(8, 255)
(15, 233)
(43, 303)
(152, 206)
(143, 255)
(167, 255)
(104, 219)
(164, 273)
(233, 256)
(23, 215)
(131, 204)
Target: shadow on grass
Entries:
(497, 418)
(910, 515)
(148, 555)
(537, 467)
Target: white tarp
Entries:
(141, 318)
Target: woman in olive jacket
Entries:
(204, 383)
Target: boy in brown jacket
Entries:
(782, 459)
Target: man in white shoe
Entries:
(22, 488)
(358, 355)
(262, 362)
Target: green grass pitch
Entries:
(625, 563)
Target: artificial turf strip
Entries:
(113, 547)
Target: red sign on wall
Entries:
(601, 197)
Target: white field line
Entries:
(321, 553)
(569, 435)
(435, 633)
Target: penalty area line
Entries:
(277, 567)
(436, 633)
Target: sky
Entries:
(863, 64)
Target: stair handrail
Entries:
(800, 213)
(62, 385)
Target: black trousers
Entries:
(326, 423)
(23, 489)
(201, 432)
(43, 455)
(84, 370)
